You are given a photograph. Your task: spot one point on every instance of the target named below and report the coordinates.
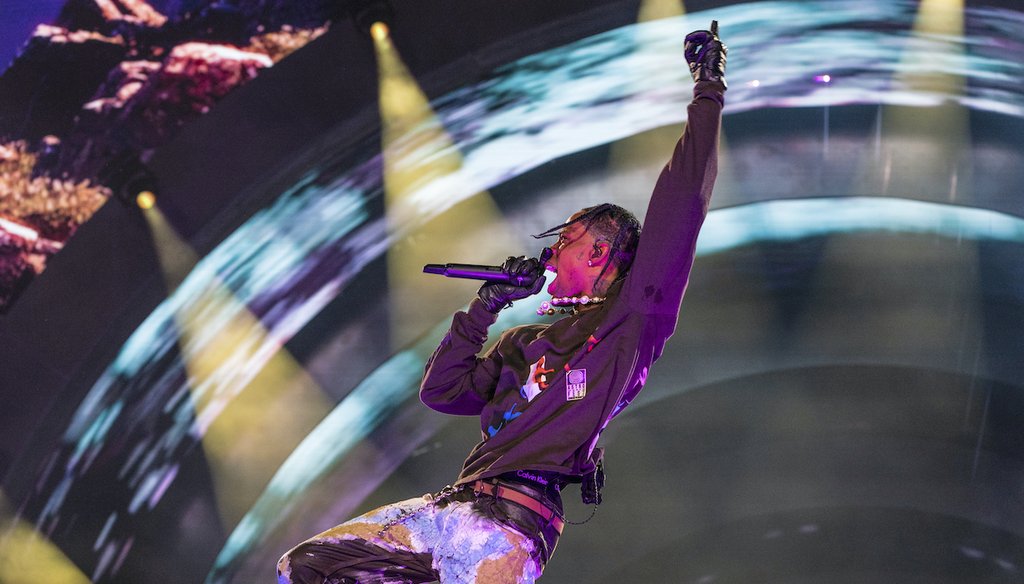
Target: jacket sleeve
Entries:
(456, 380)
(678, 206)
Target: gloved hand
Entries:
(497, 296)
(706, 55)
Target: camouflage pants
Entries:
(450, 541)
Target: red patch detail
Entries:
(540, 373)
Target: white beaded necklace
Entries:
(567, 304)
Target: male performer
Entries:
(543, 393)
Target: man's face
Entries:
(573, 277)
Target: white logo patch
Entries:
(575, 384)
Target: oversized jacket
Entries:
(544, 392)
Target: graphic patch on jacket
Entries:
(505, 418)
(536, 381)
(576, 384)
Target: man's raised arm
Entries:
(682, 194)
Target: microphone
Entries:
(489, 273)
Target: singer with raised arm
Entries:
(543, 392)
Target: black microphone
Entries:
(488, 273)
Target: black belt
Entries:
(507, 492)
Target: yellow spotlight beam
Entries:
(254, 403)
(943, 21)
(649, 150)
(634, 162)
(26, 557)
(933, 142)
(658, 9)
(417, 151)
(923, 150)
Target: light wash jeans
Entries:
(450, 541)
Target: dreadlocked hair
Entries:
(613, 224)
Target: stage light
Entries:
(145, 200)
(127, 177)
(826, 78)
(755, 83)
(379, 31)
(421, 165)
(373, 17)
(253, 403)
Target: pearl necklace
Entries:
(572, 302)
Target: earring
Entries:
(590, 263)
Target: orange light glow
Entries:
(379, 31)
(145, 200)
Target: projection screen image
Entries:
(219, 339)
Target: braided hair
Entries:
(612, 224)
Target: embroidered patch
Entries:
(575, 384)
(537, 380)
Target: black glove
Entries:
(497, 296)
(706, 56)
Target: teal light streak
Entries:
(789, 220)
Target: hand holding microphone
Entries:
(515, 279)
(496, 296)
